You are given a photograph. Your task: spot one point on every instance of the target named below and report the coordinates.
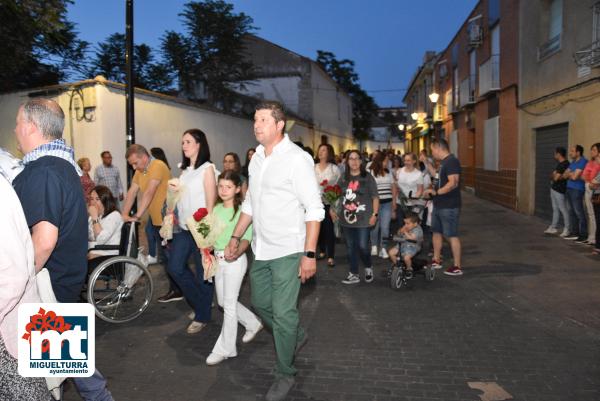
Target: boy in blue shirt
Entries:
(575, 193)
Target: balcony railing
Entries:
(489, 75)
(549, 48)
(589, 56)
(467, 91)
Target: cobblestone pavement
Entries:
(525, 317)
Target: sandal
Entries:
(330, 263)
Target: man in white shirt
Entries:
(285, 209)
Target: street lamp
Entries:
(401, 127)
(434, 97)
(415, 116)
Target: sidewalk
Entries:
(525, 316)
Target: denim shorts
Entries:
(445, 221)
(409, 249)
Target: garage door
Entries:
(546, 140)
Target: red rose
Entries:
(324, 182)
(200, 214)
(328, 188)
(337, 189)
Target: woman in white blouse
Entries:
(326, 169)
(199, 190)
(104, 222)
(410, 184)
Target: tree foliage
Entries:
(109, 61)
(210, 51)
(39, 45)
(364, 107)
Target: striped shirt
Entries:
(384, 186)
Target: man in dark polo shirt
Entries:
(52, 198)
(446, 205)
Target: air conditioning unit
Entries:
(475, 32)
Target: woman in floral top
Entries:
(357, 214)
(327, 174)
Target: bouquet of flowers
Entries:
(174, 191)
(331, 193)
(205, 228)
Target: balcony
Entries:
(589, 56)
(467, 91)
(549, 48)
(489, 75)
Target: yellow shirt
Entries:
(157, 170)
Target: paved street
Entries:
(525, 317)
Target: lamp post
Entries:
(433, 97)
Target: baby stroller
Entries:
(399, 276)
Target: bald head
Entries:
(46, 115)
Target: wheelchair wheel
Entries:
(429, 273)
(120, 289)
(397, 279)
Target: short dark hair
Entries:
(203, 152)
(412, 217)
(276, 110)
(107, 198)
(159, 153)
(561, 151)
(440, 143)
(136, 149)
(597, 146)
(106, 152)
(579, 149)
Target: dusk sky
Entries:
(385, 38)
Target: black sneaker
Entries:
(581, 240)
(408, 274)
(170, 296)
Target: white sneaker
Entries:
(373, 250)
(351, 279)
(565, 233)
(383, 254)
(551, 230)
(191, 315)
(151, 260)
(215, 359)
(368, 274)
(251, 334)
(195, 327)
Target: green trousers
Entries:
(275, 286)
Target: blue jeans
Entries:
(381, 231)
(152, 233)
(197, 292)
(445, 221)
(559, 207)
(357, 242)
(578, 217)
(93, 388)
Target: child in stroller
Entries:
(410, 241)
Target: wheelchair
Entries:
(119, 287)
(399, 276)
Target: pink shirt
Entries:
(590, 171)
(17, 272)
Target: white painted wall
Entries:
(332, 110)
(159, 122)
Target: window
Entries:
(553, 38)
(596, 33)
(453, 142)
(490, 144)
(493, 11)
(455, 55)
(493, 106)
(456, 87)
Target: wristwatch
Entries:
(310, 254)
(375, 214)
(235, 237)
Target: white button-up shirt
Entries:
(282, 196)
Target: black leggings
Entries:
(327, 236)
